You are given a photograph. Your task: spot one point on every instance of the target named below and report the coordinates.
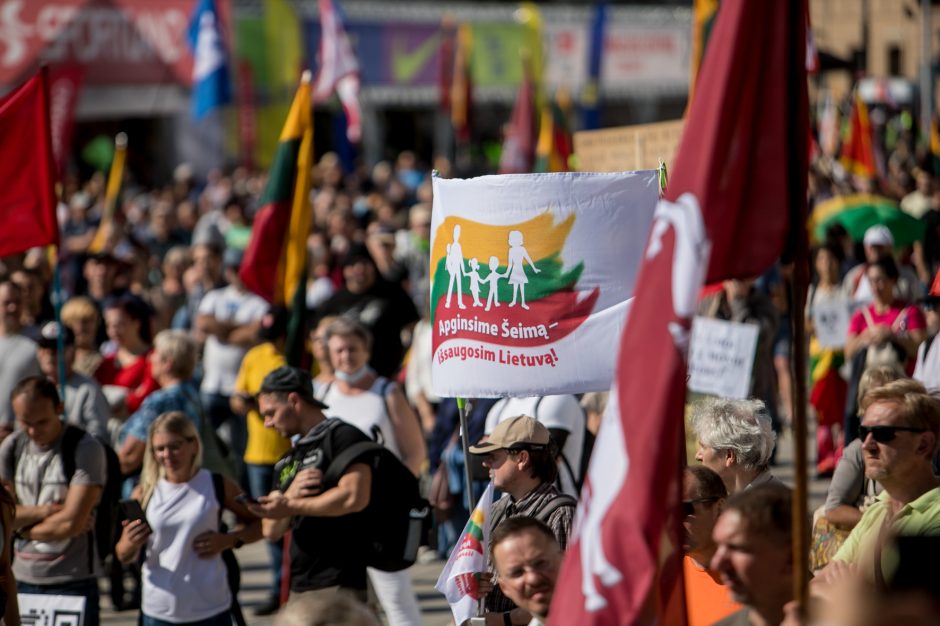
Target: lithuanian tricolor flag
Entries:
(274, 266)
(276, 255)
(554, 146)
(113, 189)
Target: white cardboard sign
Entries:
(721, 357)
(831, 322)
(53, 610)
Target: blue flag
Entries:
(590, 97)
(211, 87)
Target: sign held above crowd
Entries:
(527, 270)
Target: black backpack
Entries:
(233, 572)
(396, 516)
(106, 531)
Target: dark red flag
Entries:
(738, 183)
(65, 85)
(519, 141)
(27, 196)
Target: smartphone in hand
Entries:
(244, 498)
(132, 511)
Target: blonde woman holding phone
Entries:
(184, 576)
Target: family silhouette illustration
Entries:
(517, 257)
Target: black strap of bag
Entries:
(232, 569)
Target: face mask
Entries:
(353, 377)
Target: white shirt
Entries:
(927, 369)
(178, 586)
(222, 360)
(367, 411)
(560, 412)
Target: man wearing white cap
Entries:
(879, 243)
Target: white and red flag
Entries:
(339, 69)
(738, 186)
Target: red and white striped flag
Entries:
(339, 69)
(738, 185)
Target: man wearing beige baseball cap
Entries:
(520, 456)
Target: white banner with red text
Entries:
(531, 278)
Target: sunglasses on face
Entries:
(884, 434)
(688, 506)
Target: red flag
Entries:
(740, 171)
(461, 89)
(519, 142)
(935, 286)
(27, 196)
(445, 67)
(65, 84)
(858, 156)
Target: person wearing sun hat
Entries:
(520, 457)
(878, 243)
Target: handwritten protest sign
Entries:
(627, 147)
(831, 322)
(721, 357)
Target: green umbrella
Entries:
(859, 218)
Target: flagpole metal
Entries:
(57, 297)
(462, 410)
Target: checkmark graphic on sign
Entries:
(405, 64)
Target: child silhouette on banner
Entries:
(516, 268)
(474, 275)
(492, 280)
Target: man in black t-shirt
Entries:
(381, 306)
(328, 525)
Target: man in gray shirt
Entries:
(85, 404)
(57, 473)
(19, 352)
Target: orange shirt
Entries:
(706, 599)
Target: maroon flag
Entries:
(27, 196)
(738, 184)
(519, 142)
(65, 84)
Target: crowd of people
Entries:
(175, 395)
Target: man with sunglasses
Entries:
(899, 432)
(703, 497)
(520, 456)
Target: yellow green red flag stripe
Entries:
(275, 258)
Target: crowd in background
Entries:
(159, 321)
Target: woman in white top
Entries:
(183, 575)
(376, 406)
(372, 403)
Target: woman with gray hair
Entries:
(735, 440)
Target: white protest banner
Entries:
(530, 279)
(57, 610)
(831, 322)
(721, 357)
